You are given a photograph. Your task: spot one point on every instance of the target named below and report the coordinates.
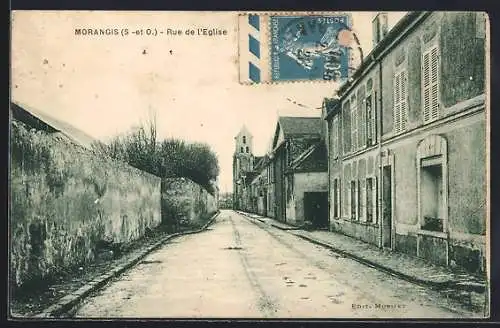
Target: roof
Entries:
(380, 48)
(293, 126)
(48, 123)
(313, 159)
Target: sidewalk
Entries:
(454, 282)
(60, 297)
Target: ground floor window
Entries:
(431, 196)
(336, 198)
(361, 201)
(354, 199)
(432, 166)
(371, 200)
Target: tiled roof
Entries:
(292, 126)
(30, 115)
(313, 159)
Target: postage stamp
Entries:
(295, 47)
(309, 47)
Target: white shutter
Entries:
(430, 84)
(349, 200)
(354, 125)
(434, 84)
(362, 200)
(426, 87)
(375, 200)
(403, 107)
(397, 111)
(337, 141)
(339, 201)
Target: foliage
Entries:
(167, 158)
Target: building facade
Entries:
(298, 178)
(407, 141)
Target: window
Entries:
(371, 200)
(244, 139)
(370, 121)
(336, 198)
(335, 142)
(353, 200)
(241, 149)
(246, 149)
(430, 84)
(346, 127)
(354, 124)
(400, 114)
(431, 193)
(361, 201)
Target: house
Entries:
(298, 181)
(259, 186)
(407, 141)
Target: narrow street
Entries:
(244, 269)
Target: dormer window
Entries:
(244, 139)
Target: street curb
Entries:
(450, 284)
(67, 302)
(284, 229)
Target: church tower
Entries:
(243, 142)
(242, 163)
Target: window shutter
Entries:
(337, 132)
(354, 125)
(349, 200)
(403, 104)
(358, 198)
(362, 200)
(426, 87)
(397, 112)
(369, 120)
(434, 83)
(339, 198)
(375, 200)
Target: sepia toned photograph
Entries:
(249, 165)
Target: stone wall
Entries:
(66, 200)
(185, 202)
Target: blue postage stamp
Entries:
(309, 47)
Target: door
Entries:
(387, 207)
(316, 209)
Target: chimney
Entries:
(380, 27)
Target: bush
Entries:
(167, 158)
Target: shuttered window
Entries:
(354, 199)
(430, 84)
(336, 198)
(354, 125)
(370, 121)
(335, 142)
(371, 200)
(400, 101)
(361, 201)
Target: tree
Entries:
(167, 158)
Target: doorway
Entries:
(387, 207)
(316, 209)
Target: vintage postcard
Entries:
(322, 165)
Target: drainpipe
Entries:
(378, 114)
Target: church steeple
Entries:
(244, 142)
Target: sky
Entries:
(106, 85)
